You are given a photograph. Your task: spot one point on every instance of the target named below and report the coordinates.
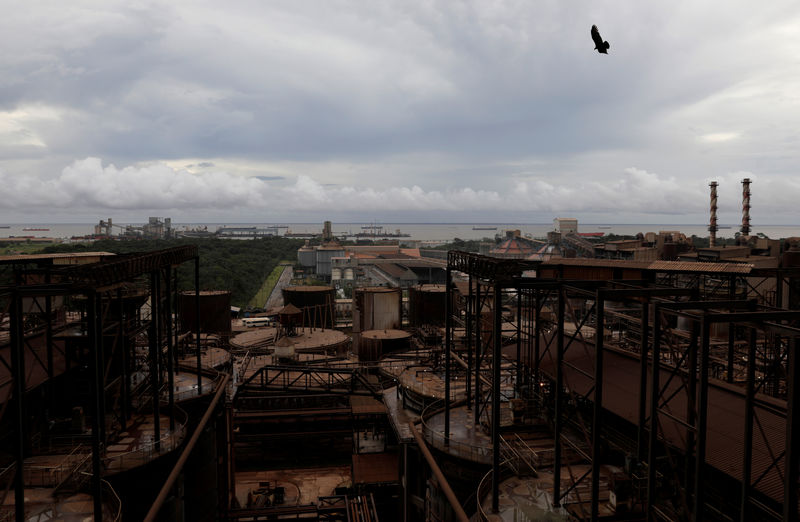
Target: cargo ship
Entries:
(36, 230)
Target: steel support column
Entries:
(691, 411)
(537, 332)
(17, 339)
(747, 461)
(654, 395)
(558, 421)
(155, 356)
(125, 370)
(478, 349)
(448, 327)
(197, 323)
(519, 341)
(48, 312)
(496, 360)
(468, 334)
(790, 486)
(101, 363)
(98, 415)
(643, 363)
(597, 418)
(731, 331)
(170, 347)
(702, 422)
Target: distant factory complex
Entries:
(568, 377)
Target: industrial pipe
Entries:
(176, 471)
(461, 516)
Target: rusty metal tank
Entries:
(215, 311)
(377, 308)
(376, 343)
(316, 302)
(426, 305)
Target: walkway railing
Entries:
(472, 452)
(150, 450)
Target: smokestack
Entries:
(745, 207)
(712, 225)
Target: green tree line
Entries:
(240, 266)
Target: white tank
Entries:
(377, 308)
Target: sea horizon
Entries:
(411, 231)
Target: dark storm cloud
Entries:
(493, 96)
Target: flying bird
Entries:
(599, 44)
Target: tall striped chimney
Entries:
(745, 207)
(712, 225)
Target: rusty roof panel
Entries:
(375, 468)
(725, 442)
(658, 266)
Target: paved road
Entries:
(275, 299)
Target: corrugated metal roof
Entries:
(44, 257)
(657, 266)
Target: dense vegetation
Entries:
(467, 245)
(240, 266)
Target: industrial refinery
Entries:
(557, 379)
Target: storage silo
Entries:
(307, 256)
(316, 303)
(215, 311)
(376, 308)
(376, 343)
(426, 305)
(325, 254)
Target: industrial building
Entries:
(581, 388)
(539, 388)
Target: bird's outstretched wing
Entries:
(598, 41)
(599, 44)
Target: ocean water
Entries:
(433, 232)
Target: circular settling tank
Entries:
(375, 343)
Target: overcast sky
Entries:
(404, 110)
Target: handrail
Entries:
(472, 452)
(148, 451)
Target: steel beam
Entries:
(170, 347)
(468, 334)
(654, 393)
(496, 363)
(155, 356)
(702, 422)
(792, 465)
(16, 334)
(98, 415)
(197, 323)
(448, 327)
(643, 361)
(597, 417)
(749, 412)
(558, 421)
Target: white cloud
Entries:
(91, 185)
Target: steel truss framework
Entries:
(304, 378)
(103, 338)
(675, 366)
